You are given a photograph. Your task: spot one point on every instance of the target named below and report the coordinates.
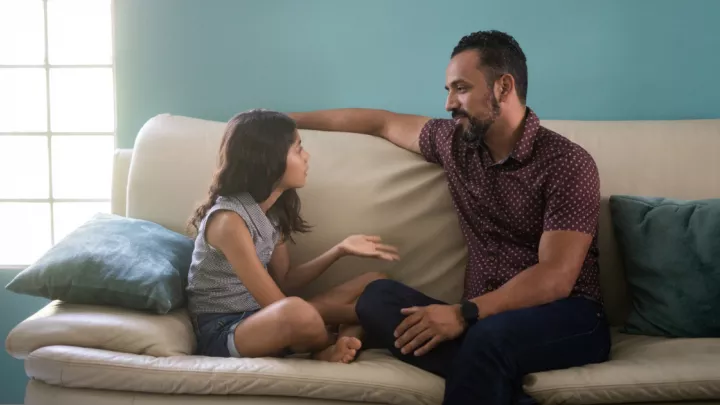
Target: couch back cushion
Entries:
(362, 184)
(674, 159)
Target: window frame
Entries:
(49, 134)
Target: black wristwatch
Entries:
(469, 311)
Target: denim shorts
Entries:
(216, 333)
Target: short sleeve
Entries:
(436, 140)
(228, 206)
(573, 194)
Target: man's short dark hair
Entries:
(499, 54)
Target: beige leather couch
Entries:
(85, 355)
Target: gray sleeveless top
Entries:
(213, 285)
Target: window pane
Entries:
(81, 100)
(23, 167)
(22, 32)
(82, 166)
(23, 102)
(79, 32)
(25, 232)
(69, 216)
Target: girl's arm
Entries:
(227, 232)
(291, 279)
(358, 245)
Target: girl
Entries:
(240, 272)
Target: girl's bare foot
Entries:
(343, 351)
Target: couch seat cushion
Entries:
(104, 348)
(641, 369)
(375, 377)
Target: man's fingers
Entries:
(408, 311)
(429, 345)
(421, 338)
(372, 238)
(410, 334)
(408, 323)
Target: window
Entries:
(57, 121)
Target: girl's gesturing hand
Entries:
(368, 246)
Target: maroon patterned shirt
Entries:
(547, 183)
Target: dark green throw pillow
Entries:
(671, 254)
(113, 260)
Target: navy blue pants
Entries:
(485, 365)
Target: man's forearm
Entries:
(357, 120)
(535, 286)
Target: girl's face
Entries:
(296, 166)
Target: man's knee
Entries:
(375, 296)
(380, 288)
(374, 276)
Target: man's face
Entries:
(471, 99)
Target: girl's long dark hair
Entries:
(252, 159)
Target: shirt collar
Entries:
(524, 146)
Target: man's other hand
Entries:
(426, 327)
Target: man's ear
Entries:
(505, 85)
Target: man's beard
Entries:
(474, 133)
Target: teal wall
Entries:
(15, 308)
(609, 60)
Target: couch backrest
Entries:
(675, 159)
(362, 184)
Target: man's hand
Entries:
(425, 327)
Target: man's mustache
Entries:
(459, 114)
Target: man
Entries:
(528, 202)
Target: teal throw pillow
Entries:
(671, 254)
(113, 260)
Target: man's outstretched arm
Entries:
(401, 129)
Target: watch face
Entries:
(469, 311)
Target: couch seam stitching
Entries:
(274, 377)
(629, 385)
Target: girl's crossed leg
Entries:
(301, 326)
(337, 308)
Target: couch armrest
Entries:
(103, 327)
(121, 169)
